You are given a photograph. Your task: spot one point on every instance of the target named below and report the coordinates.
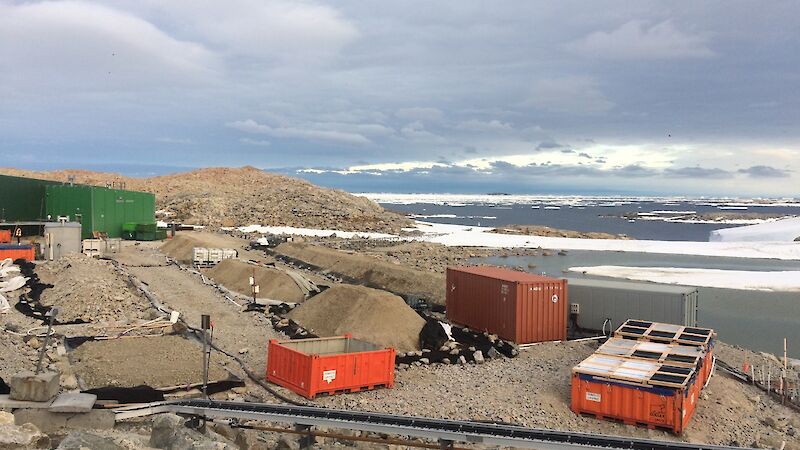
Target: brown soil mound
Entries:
(157, 362)
(370, 271)
(272, 283)
(91, 290)
(369, 314)
(180, 247)
(222, 196)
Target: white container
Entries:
(204, 257)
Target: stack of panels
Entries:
(675, 355)
(635, 371)
(666, 333)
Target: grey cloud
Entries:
(251, 126)
(255, 142)
(420, 113)
(765, 172)
(568, 150)
(484, 126)
(697, 172)
(578, 95)
(179, 141)
(584, 155)
(639, 40)
(546, 145)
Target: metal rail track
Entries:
(421, 427)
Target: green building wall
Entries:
(99, 209)
(23, 199)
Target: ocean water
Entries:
(754, 319)
(584, 218)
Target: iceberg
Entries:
(784, 230)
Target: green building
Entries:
(23, 199)
(97, 209)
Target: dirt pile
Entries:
(154, 361)
(244, 196)
(369, 314)
(370, 271)
(180, 247)
(273, 284)
(540, 230)
(90, 290)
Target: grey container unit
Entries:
(61, 238)
(618, 301)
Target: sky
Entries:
(646, 97)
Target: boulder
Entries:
(26, 436)
(170, 433)
(78, 440)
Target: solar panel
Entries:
(665, 333)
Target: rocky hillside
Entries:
(244, 196)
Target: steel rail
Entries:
(442, 430)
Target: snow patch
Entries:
(713, 278)
(313, 232)
(472, 236)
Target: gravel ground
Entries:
(534, 390)
(158, 362)
(234, 330)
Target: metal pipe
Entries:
(52, 313)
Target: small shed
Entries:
(61, 238)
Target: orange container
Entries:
(332, 365)
(635, 392)
(14, 251)
(5, 236)
(517, 306)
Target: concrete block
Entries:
(50, 422)
(96, 419)
(34, 388)
(73, 403)
(7, 403)
(44, 420)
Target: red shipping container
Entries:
(13, 251)
(517, 306)
(5, 236)
(332, 365)
(635, 392)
